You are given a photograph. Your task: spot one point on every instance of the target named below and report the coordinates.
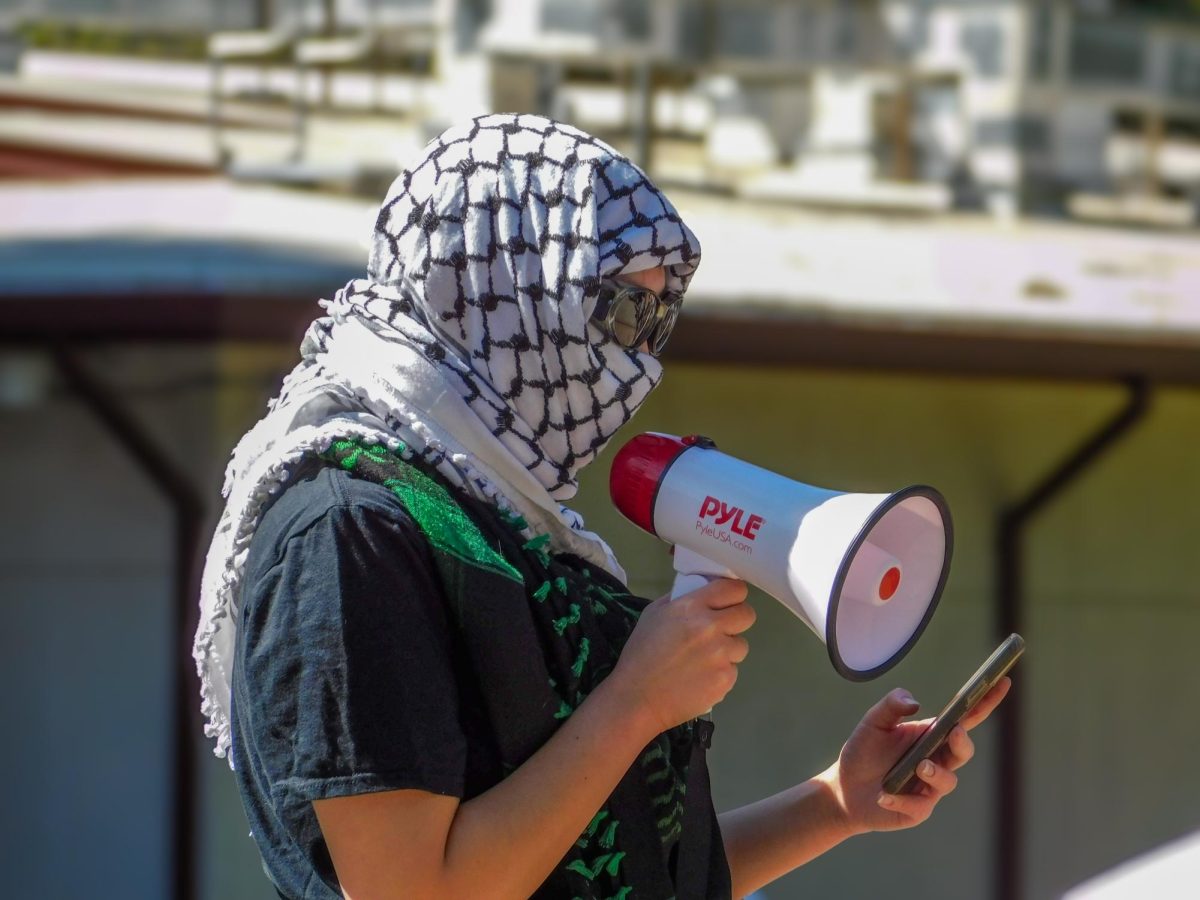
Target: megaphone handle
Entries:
(686, 583)
(694, 571)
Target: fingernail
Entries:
(908, 699)
(927, 768)
(885, 800)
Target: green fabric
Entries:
(439, 517)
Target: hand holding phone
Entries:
(903, 778)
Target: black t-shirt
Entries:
(348, 676)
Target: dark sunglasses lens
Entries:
(663, 329)
(632, 318)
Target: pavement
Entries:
(972, 272)
(760, 260)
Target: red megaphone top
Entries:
(638, 470)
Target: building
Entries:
(1005, 104)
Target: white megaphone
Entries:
(863, 571)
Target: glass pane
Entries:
(1107, 52)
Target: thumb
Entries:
(891, 710)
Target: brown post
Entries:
(264, 14)
(1153, 135)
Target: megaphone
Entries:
(863, 571)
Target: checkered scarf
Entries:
(469, 344)
(492, 250)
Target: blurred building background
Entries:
(945, 242)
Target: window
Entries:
(1041, 42)
(845, 31)
(571, 15)
(1107, 52)
(984, 44)
(745, 29)
(1183, 78)
(1029, 134)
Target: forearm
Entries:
(770, 838)
(681, 659)
(530, 819)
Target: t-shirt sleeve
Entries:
(348, 663)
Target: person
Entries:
(430, 677)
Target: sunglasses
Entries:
(633, 316)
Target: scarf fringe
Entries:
(225, 564)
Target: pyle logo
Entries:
(723, 513)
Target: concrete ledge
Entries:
(876, 195)
(1133, 209)
(248, 44)
(109, 100)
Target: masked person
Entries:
(432, 681)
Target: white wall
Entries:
(1112, 613)
(85, 544)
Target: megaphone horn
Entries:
(863, 571)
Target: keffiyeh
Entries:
(469, 343)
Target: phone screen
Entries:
(902, 778)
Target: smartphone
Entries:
(903, 776)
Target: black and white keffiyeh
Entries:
(469, 343)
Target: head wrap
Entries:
(469, 344)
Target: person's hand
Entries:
(681, 659)
(875, 745)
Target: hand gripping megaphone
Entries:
(863, 571)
